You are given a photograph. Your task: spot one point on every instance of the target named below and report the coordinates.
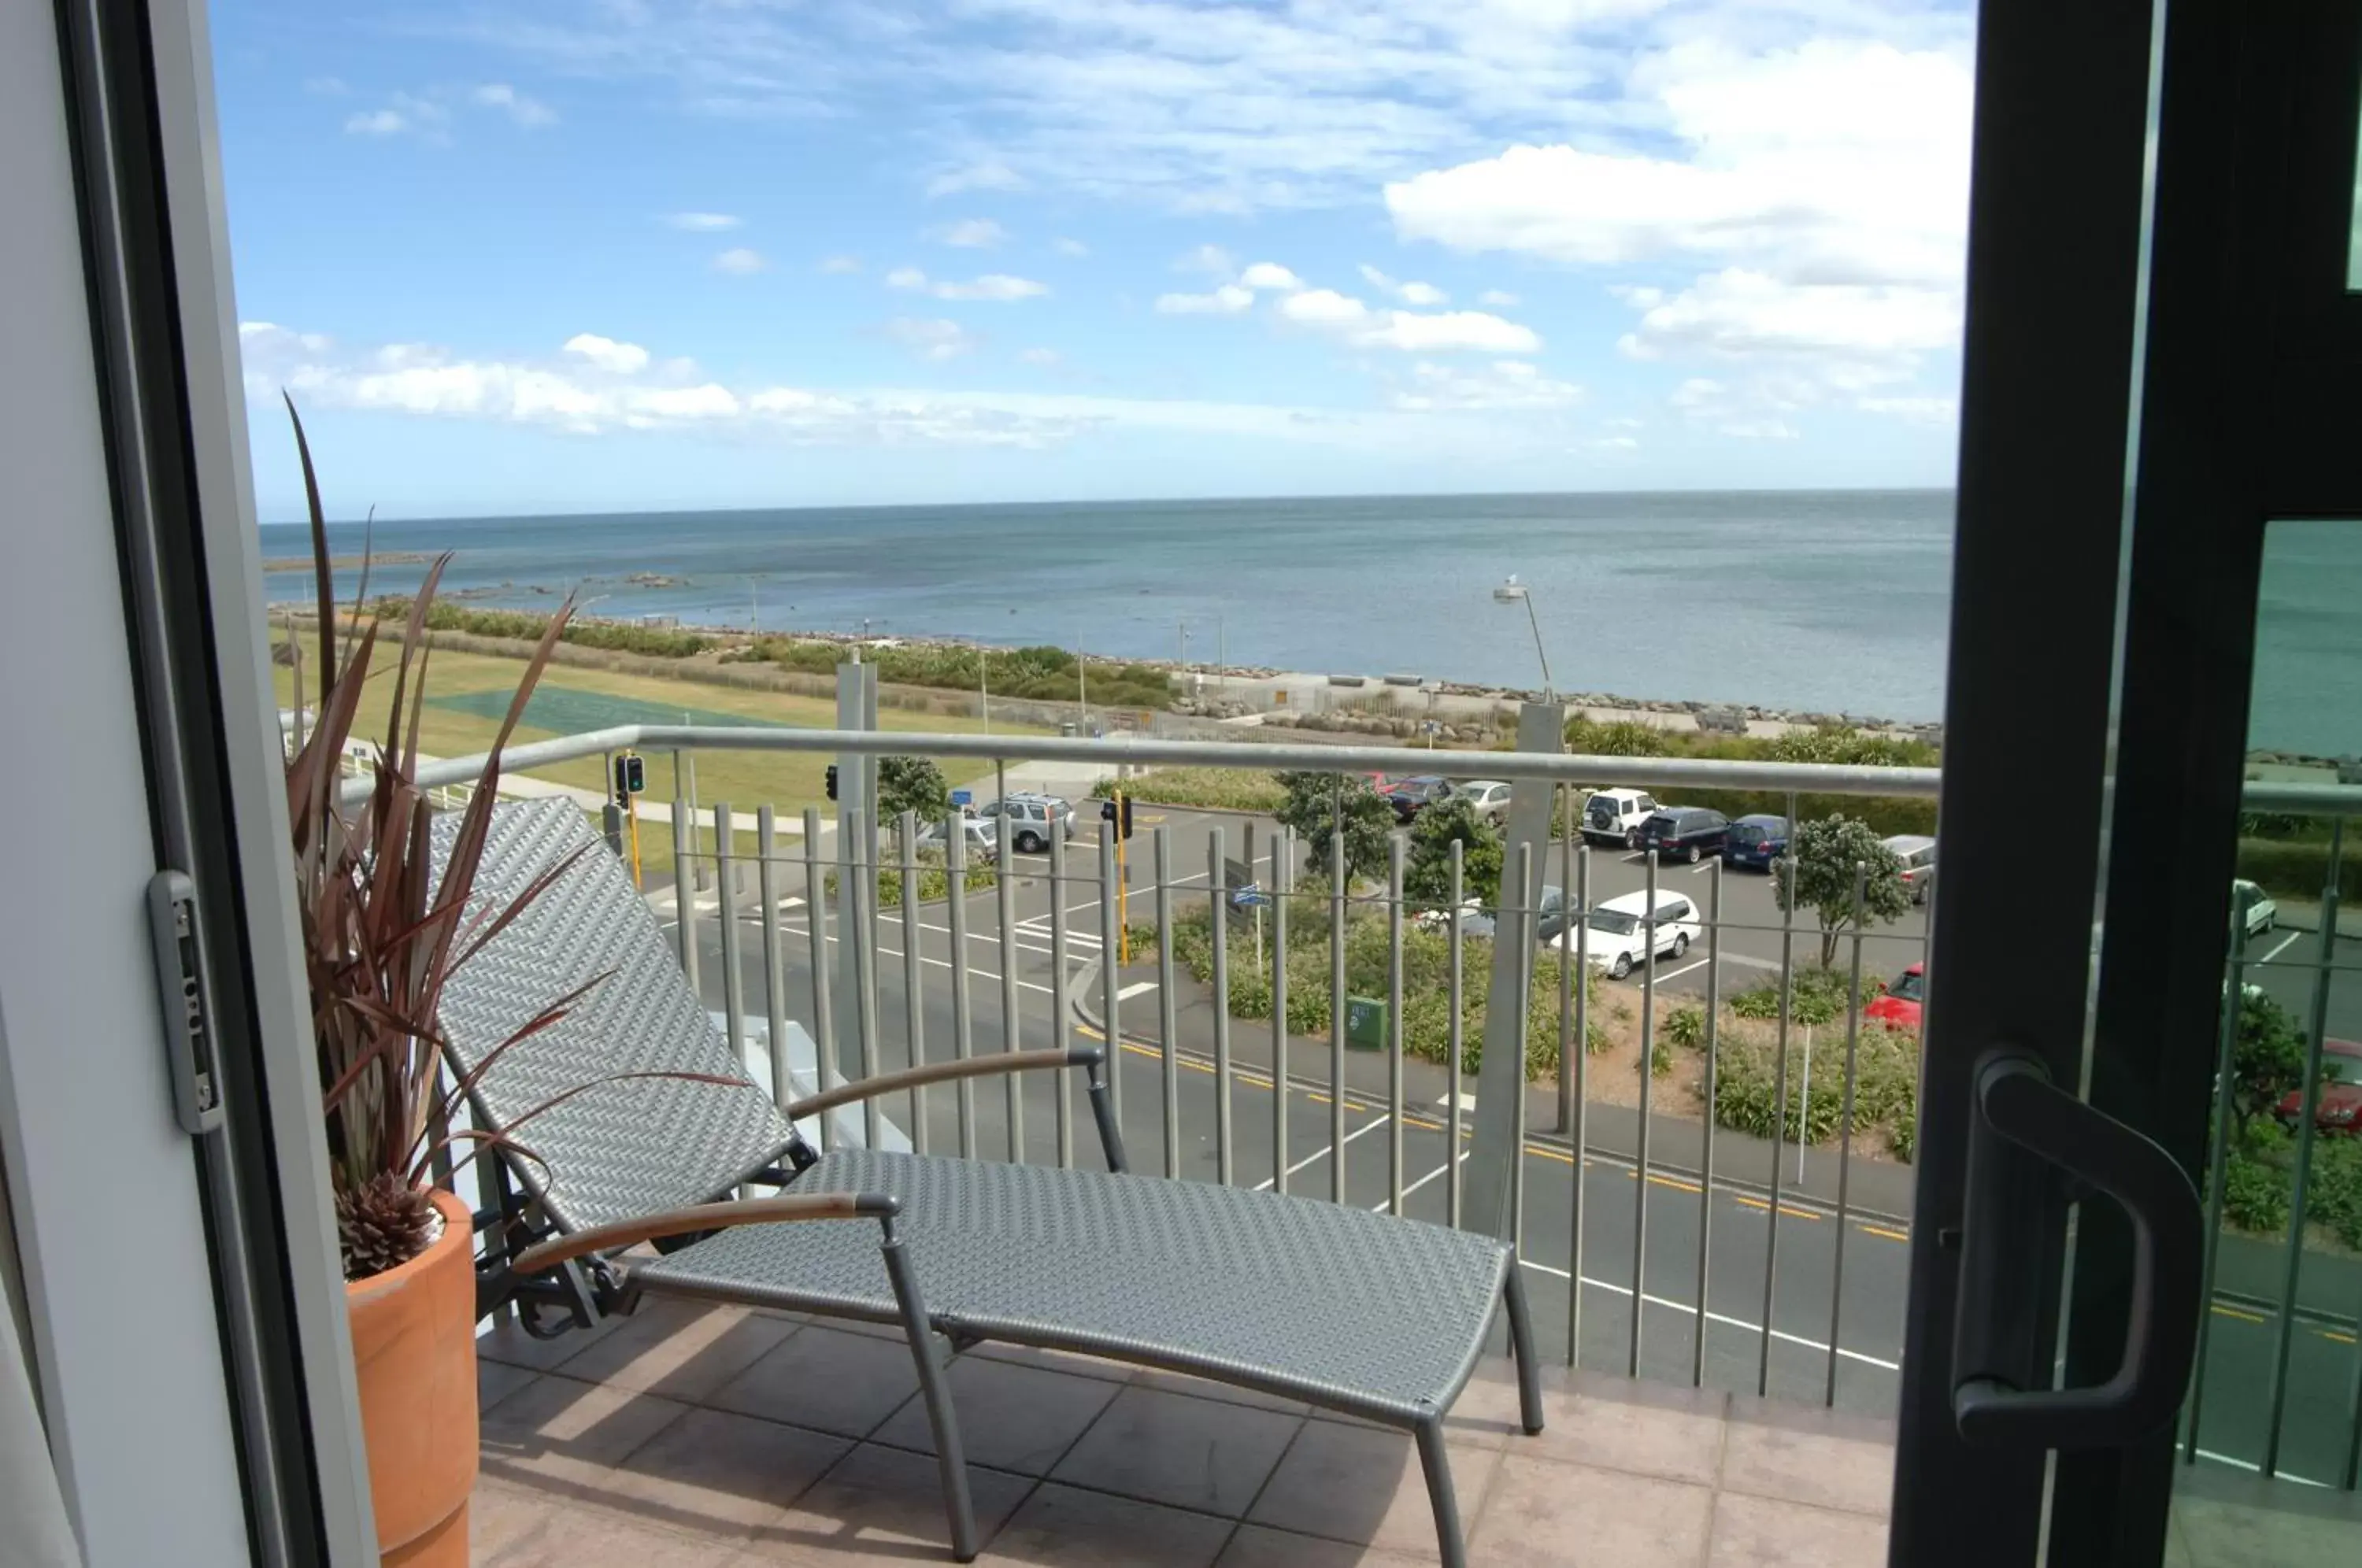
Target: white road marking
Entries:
(1378, 1207)
(1135, 988)
(1665, 975)
(1319, 1155)
(2279, 947)
(1722, 1318)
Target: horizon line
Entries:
(299, 522)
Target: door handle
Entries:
(2000, 1376)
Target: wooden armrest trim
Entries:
(607, 1238)
(940, 1072)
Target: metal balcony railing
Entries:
(1662, 1242)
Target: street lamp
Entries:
(1516, 592)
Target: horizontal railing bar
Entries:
(1670, 772)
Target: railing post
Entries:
(823, 1004)
(1059, 1021)
(1501, 1075)
(1110, 976)
(854, 861)
(906, 832)
(1395, 1022)
(1218, 900)
(684, 886)
(734, 977)
(1005, 904)
(861, 936)
(1168, 1046)
(1455, 1033)
(962, 1023)
(1784, 872)
(774, 978)
(1283, 865)
(1340, 873)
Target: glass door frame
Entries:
(2119, 687)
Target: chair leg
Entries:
(1448, 1544)
(936, 1391)
(1521, 1344)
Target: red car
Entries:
(2340, 1110)
(1899, 1007)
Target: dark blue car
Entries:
(1756, 842)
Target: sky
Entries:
(552, 256)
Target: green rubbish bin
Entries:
(1366, 1023)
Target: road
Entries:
(1666, 1212)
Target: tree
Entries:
(911, 784)
(2267, 1058)
(1820, 870)
(1428, 876)
(1317, 803)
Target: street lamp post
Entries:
(1515, 592)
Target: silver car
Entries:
(1490, 797)
(1032, 820)
(1917, 854)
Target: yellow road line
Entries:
(2223, 1311)
(2333, 1334)
(1890, 1235)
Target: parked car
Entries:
(2256, 910)
(1032, 819)
(1413, 795)
(1620, 931)
(1683, 832)
(2339, 1113)
(979, 838)
(1917, 854)
(1489, 797)
(1901, 1007)
(1755, 842)
(1613, 816)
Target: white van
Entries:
(1619, 931)
(1613, 816)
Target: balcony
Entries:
(1724, 1372)
(683, 1437)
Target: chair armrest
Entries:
(607, 1238)
(942, 1072)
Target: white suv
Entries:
(1618, 931)
(1613, 816)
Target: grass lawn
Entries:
(788, 781)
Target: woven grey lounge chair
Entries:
(1360, 1312)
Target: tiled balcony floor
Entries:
(693, 1438)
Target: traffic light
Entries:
(831, 776)
(1118, 810)
(630, 774)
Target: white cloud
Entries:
(1501, 298)
(1228, 299)
(1939, 412)
(1474, 329)
(999, 287)
(1324, 307)
(598, 386)
(1503, 384)
(702, 223)
(1047, 359)
(618, 359)
(1412, 293)
(936, 340)
(376, 122)
(531, 112)
(739, 261)
(990, 174)
(1411, 331)
(1065, 247)
(974, 234)
(1210, 259)
(840, 264)
(1843, 337)
(1270, 275)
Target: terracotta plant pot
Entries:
(414, 1357)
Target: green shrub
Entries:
(2335, 1197)
(1886, 1085)
(1221, 788)
(662, 642)
(1034, 674)
(1815, 995)
(2255, 1193)
(1685, 1027)
(934, 882)
(2294, 867)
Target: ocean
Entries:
(1828, 600)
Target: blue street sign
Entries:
(1253, 898)
(963, 796)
